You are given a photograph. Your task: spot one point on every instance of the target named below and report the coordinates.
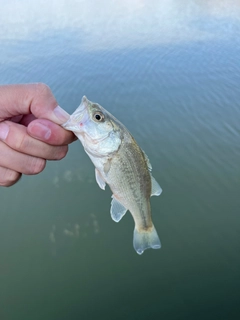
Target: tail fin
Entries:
(143, 240)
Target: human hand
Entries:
(30, 132)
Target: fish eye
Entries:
(98, 116)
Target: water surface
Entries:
(170, 72)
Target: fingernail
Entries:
(39, 131)
(4, 129)
(61, 114)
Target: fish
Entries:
(120, 163)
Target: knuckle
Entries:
(35, 90)
(43, 100)
(17, 138)
(22, 143)
(35, 165)
(41, 88)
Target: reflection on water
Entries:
(168, 70)
(116, 24)
(70, 233)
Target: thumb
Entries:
(36, 99)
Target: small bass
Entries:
(120, 163)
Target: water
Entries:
(170, 72)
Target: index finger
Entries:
(36, 99)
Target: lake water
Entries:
(170, 71)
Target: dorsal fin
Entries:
(147, 161)
(156, 189)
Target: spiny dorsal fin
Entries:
(147, 161)
(156, 189)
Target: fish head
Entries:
(95, 127)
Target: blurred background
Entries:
(170, 71)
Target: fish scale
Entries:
(136, 194)
(120, 163)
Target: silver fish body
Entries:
(120, 163)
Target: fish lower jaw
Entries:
(89, 140)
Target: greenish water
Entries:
(170, 71)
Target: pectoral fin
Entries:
(107, 166)
(99, 179)
(117, 210)
(156, 189)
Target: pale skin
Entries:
(30, 131)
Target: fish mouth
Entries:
(79, 116)
(75, 123)
(79, 123)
